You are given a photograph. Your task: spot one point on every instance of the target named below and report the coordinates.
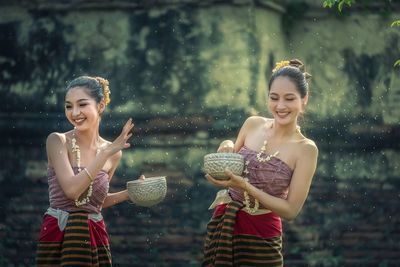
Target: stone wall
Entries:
(353, 59)
(153, 57)
(203, 57)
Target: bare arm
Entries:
(115, 159)
(115, 198)
(298, 191)
(74, 185)
(118, 197)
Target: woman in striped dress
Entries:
(246, 228)
(80, 167)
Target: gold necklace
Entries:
(77, 151)
(264, 151)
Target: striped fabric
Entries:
(80, 244)
(224, 247)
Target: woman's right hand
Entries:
(121, 141)
(226, 147)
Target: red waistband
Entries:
(50, 232)
(264, 225)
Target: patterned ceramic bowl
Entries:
(147, 192)
(215, 164)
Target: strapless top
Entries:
(273, 176)
(58, 200)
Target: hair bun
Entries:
(300, 65)
(106, 89)
(296, 63)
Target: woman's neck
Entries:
(284, 131)
(88, 138)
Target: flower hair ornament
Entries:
(106, 89)
(280, 65)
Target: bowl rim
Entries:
(148, 180)
(224, 154)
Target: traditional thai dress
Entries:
(71, 235)
(237, 237)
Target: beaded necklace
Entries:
(263, 151)
(246, 201)
(77, 151)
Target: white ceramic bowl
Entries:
(216, 163)
(147, 192)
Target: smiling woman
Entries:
(280, 162)
(81, 165)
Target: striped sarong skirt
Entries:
(236, 238)
(83, 242)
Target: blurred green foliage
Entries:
(340, 3)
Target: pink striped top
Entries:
(58, 200)
(273, 176)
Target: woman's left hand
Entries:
(233, 180)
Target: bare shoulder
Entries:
(254, 121)
(56, 138)
(104, 142)
(56, 146)
(308, 147)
